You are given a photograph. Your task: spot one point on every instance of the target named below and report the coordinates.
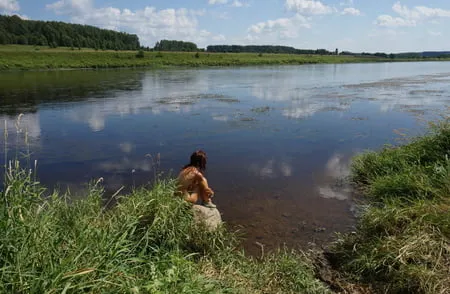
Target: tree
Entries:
(15, 30)
(259, 49)
(173, 45)
(140, 54)
(3, 38)
(22, 40)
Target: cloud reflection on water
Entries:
(185, 92)
(271, 169)
(125, 165)
(21, 132)
(334, 185)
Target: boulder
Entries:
(210, 217)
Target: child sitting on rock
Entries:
(192, 184)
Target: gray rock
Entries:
(210, 217)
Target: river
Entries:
(278, 138)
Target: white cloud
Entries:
(148, 23)
(212, 2)
(346, 3)
(435, 34)
(237, 3)
(386, 33)
(251, 38)
(419, 13)
(411, 16)
(72, 7)
(308, 7)
(284, 28)
(389, 21)
(9, 5)
(219, 38)
(351, 11)
(223, 15)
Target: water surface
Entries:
(279, 139)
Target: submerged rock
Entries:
(210, 217)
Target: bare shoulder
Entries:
(190, 173)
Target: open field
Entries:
(17, 57)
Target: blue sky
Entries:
(353, 25)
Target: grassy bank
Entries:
(402, 244)
(16, 57)
(148, 243)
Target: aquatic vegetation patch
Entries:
(193, 99)
(262, 109)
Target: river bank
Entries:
(16, 57)
(401, 244)
(148, 242)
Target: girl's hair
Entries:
(198, 160)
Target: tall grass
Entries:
(147, 243)
(402, 243)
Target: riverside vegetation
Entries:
(148, 242)
(21, 57)
(402, 243)
(24, 57)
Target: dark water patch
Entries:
(244, 119)
(228, 100)
(193, 99)
(263, 109)
(422, 92)
(359, 118)
(177, 100)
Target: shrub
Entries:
(140, 54)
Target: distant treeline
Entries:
(264, 49)
(377, 54)
(409, 55)
(166, 45)
(14, 30)
(436, 53)
(173, 45)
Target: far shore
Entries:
(20, 57)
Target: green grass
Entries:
(16, 57)
(402, 243)
(147, 243)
